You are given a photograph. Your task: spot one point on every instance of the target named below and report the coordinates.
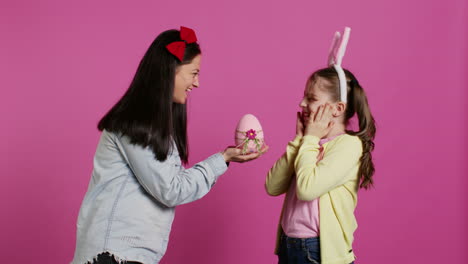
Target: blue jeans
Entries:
(299, 250)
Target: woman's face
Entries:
(314, 96)
(186, 79)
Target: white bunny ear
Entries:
(333, 49)
(342, 46)
(335, 57)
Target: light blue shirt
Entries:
(130, 203)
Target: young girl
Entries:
(138, 178)
(321, 172)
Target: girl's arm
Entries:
(280, 175)
(314, 180)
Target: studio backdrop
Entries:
(63, 64)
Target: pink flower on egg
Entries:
(251, 134)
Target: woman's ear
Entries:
(339, 109)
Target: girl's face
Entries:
(314, 96)
(186, 79)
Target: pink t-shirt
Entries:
(301, 218)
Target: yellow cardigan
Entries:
(334, 179)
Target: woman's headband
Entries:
(177, 48)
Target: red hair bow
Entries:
(177, 48)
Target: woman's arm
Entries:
(167, 181)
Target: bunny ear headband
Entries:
(337, 51)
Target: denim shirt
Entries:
(130, 203)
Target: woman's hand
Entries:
(299, 125)
(234, 154)
(321, 123)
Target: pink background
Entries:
(63, 65)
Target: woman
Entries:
(138, 177)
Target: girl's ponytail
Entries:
(357, 104)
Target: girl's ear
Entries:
(339, 109)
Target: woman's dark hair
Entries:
(146, 112)
(356, 104)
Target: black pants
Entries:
(107, 258)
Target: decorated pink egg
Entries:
(249, 134)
